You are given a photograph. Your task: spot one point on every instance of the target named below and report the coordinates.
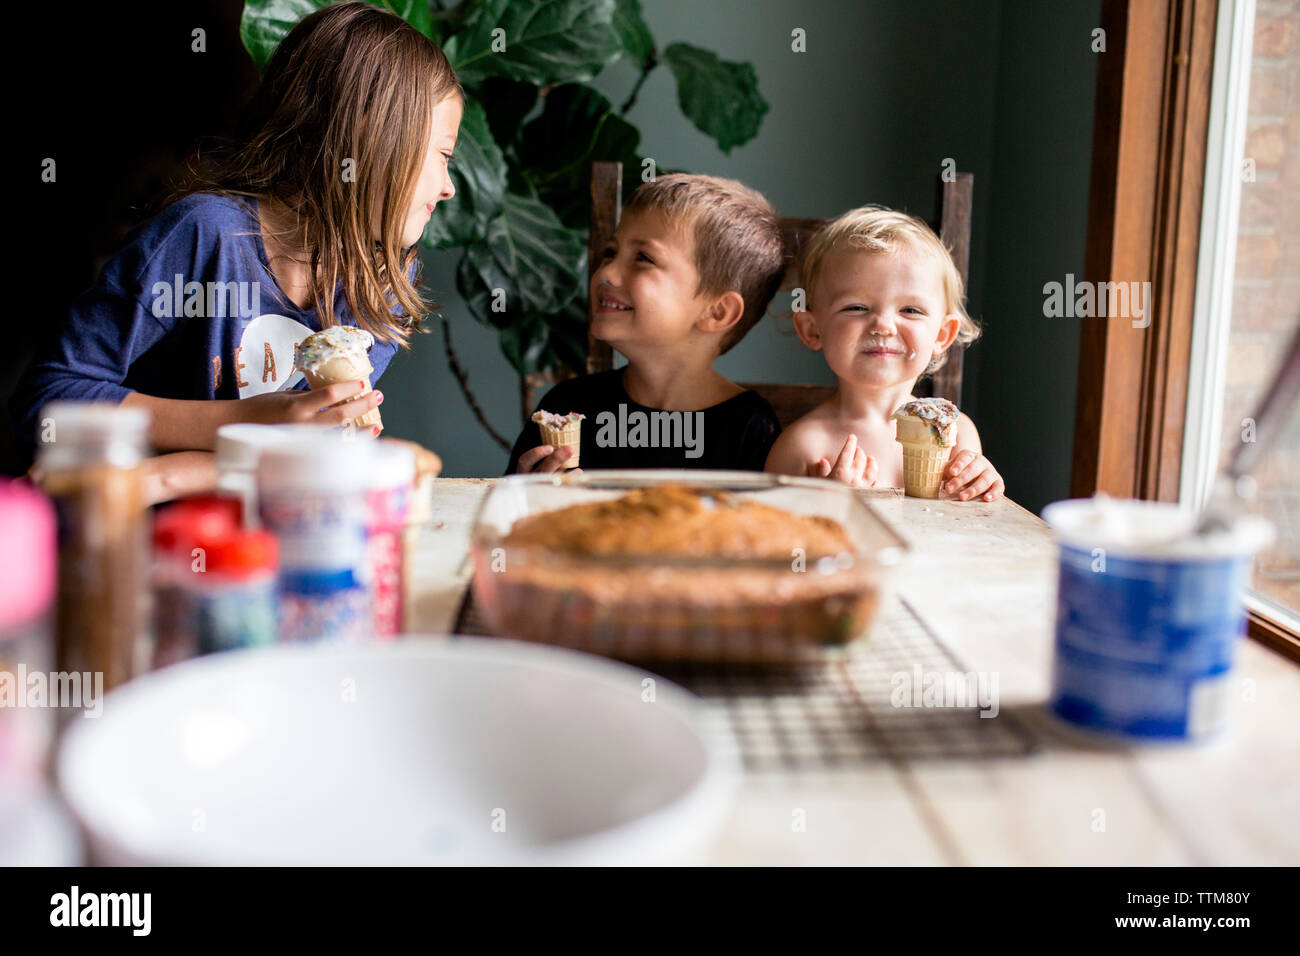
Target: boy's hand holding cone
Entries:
(561, 431)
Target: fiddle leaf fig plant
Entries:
(531, 130)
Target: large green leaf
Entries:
(524, 343)
(576, 127)
(632, 32)
(530, 256)
(721, 98)
(414, 12)
(506, 102)
(453, 13)
(567, 344)
(536, 342)
(266, 22)
(545, 41)
(479, 175)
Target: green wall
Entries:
(1026, 368)
(885, 91)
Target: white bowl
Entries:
(421, 751)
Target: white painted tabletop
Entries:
(982, 577)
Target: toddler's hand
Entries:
(854, 467)
(544, 459)
(970, 475)
(333, 405)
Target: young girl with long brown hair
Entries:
(310, 220)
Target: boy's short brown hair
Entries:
(738, 244)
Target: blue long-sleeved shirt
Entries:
(187, 309)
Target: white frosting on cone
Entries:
(337, 342)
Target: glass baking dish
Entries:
(683, 607)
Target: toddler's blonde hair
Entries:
(881, 231)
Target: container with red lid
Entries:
(216, 580)
(175, 527)
(214, 513)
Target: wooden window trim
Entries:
(1273, 634)
(1148, 174)
(1144, 218)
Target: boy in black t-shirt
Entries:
(693, 265)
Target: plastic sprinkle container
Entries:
(312, 496)
(239, 447)
(388, 500)
(232, 595)
(214, 581)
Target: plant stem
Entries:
(463, 378)
(640, 81)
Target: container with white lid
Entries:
(1148, 617)
(87, 434)
(312, 496)
(240, 446)
(392, 465)
(89, 457)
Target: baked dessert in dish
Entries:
(681, 572)
(679, 522)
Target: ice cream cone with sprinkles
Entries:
(338, 354)
(927, 429)
(561, 430)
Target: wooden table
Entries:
(982, 578)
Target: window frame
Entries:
(1157, 187)
(1216, 268)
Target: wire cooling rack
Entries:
(840, 712)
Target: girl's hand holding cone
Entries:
(332, 405)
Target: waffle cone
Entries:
(923, 459)
(923, 468)
(338, 370)
(570, 434)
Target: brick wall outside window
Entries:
(1266, 289)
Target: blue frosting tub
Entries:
(1147, 617)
